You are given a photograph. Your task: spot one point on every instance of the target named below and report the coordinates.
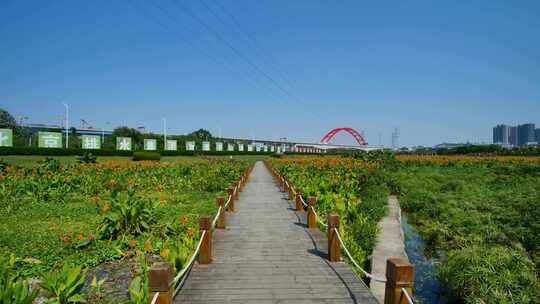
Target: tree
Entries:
(20, 135)
(136, 136)
(7, 120)
(201, 134)
(74, 139)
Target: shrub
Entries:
(137, 156)
(60, 151)
(50, 164)
(3, 164)
(87, 158)
(481, 274)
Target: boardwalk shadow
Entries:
(300, 224)
(323, 254)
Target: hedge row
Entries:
(103, 152)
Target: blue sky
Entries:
(438, 71)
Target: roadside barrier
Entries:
(163, 287)
(399, 272)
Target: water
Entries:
(426, 287)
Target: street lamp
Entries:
(67, 124)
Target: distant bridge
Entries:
(355, 134)
(323, 146)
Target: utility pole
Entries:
(67, 124)
(164, 132)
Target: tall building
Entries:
(513, 138)
(526, 134)
(501, 134)
(537, 136)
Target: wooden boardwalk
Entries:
(266, 255)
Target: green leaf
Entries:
(78, 298)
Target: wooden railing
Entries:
(399, 272)
(163, 284)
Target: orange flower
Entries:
(106, 207)
(190, 231)
(80, 237)
(66, 239)
(164, 253)
(184, 219)
(90, 237)
(129, 253)
(148, 246)
(111, 183)
(132, 243)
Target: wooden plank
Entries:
(266, 255)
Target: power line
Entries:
(188, 41)
(240, 54)
(254, 41)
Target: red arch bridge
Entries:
(325, 144)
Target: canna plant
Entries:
(179, 252)
(65, 285)
(138, 288)
(130, 214)
(87, 158)
(97, 286)
(13, 289)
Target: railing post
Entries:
(334, 249)
(205, 253)
(311, 216)
(298, 204)
(399, 274)
(160, 279)
(290, 197)
(221, 217)
(230, 207)
(243, 182)
(237, 186)
(284, 184)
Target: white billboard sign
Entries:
(171, 145)
(206, 146)
(91, 141)
(150, 144)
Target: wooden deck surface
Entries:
(267, 255)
